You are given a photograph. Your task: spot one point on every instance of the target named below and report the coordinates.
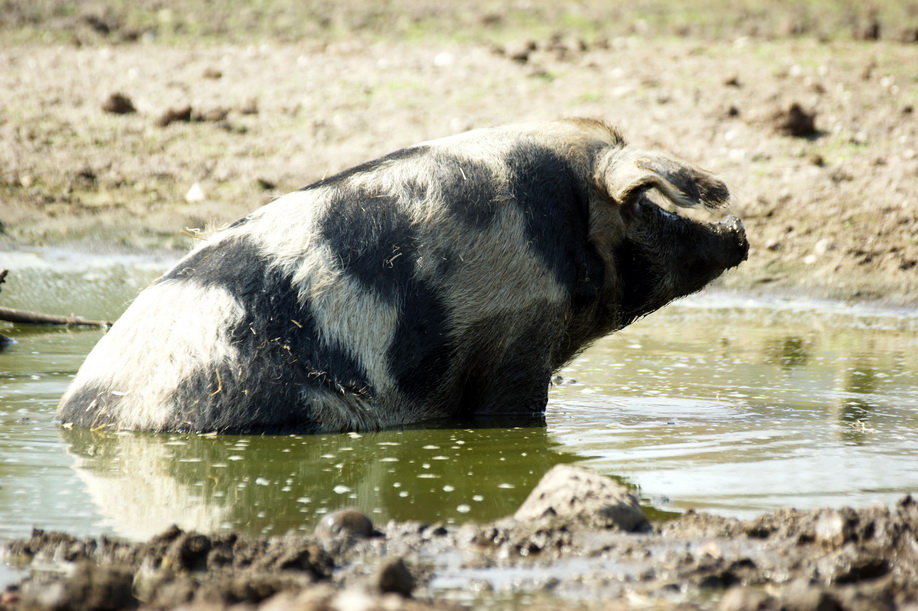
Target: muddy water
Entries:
(728, 404)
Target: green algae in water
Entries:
(143, 482)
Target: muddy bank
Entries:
(131, 142)
(579, 541)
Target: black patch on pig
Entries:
(372, 234)
(511, 376)
(556, 209)
(373, 240)
(280, 357)
(638, 280)
(421, 352)
(91, 407)
(470, 190)
(376, 244)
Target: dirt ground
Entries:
(824, 559)
(126, 127)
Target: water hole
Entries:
(725, 403)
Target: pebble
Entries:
(195, 194)
(823, 246)
(444, 59)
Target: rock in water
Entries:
(582, 495)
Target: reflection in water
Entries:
(862, 379)
(144, 482)
(857, 400)
(788, 352)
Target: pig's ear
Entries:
(624, 175)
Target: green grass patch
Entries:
(245, 21)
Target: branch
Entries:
(36, 318)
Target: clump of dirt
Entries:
(186, 114)
(795, 121)
(119, 104)
(172, 115)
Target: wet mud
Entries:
(584, 550)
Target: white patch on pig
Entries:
(173, 329)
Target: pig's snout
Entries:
(733, 232)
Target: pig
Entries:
(446, 280)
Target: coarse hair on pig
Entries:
(446, 280)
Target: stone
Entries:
(579, 494)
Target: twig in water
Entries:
(37, 318)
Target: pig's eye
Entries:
(669, 213)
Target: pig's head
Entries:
(654, 255)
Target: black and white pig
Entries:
(445, 280)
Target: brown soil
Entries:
(824, 559)
(112, 138)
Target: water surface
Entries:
(722, 403)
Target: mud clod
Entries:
(211, 115)
(347, 522)
(518, 51)
(178, 114)
(118, 104)
(89, 587)
(795, 121)
(188, 552)
(393, 576)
